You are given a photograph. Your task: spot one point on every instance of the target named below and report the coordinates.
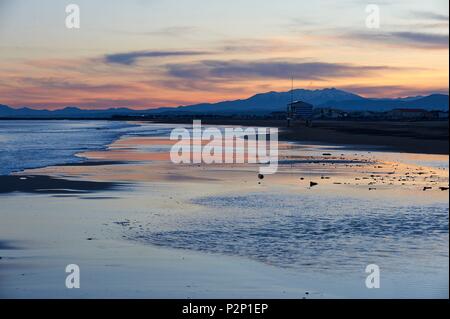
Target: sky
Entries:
(152, 53)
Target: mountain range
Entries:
(259, 104)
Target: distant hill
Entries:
(434, 102)
(68, 112)
(259, 104)
(270, 102)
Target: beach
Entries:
(424, 137)
(140, 226)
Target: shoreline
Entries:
(420, 137)
(72, 158)
(426, 137)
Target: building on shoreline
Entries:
(299, 111)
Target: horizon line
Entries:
(136, 108)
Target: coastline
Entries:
(420, 137)
(38, 148)
(425, 137)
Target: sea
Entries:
(28, 144)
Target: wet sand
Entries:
(101, 215)
(41, 184)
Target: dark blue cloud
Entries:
(130, 58)
(424, 39)
(404, 39)
(267, 69)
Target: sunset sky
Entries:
(152, 53)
